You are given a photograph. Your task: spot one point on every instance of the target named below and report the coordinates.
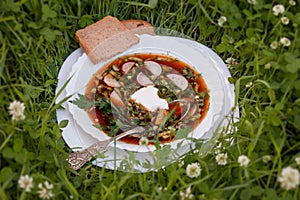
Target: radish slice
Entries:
(116, 99)
(111, 81)
(127, 66)
(143, 80)
(179, 81)
(153, 67)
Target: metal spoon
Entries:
(188, 104)
(77, 159)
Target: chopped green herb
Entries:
(104, 105)
(100, 126)
(182, 133)
(83, 102)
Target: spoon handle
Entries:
(77, 159)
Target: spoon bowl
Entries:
(183, 105)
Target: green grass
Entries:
(37, 35)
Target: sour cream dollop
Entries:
(148, 98)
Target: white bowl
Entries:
(158, 45)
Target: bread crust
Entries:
(105, 38)
(138, 26)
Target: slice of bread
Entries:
(139, 26)
(105, 39)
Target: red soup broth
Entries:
(98, 118)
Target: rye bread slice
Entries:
(105, 39)
(139, 26)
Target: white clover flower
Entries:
(266, 158)
(187, 194)
(285, 20)
(252, 2)
(231, 61)
(18, 117)
(285, 41)
(193, 170)
(297, 160)
(249, 84)
(161, 188)
(289, 178)
(221, 159)
(274, 45)
(26, 182)
(222, 20)
(48, 185)
(268, 66)
(16, 110)
(45, 190)
(292, 2)
(278, 9)
(243, 160)
(231, 40)
(143, 141)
